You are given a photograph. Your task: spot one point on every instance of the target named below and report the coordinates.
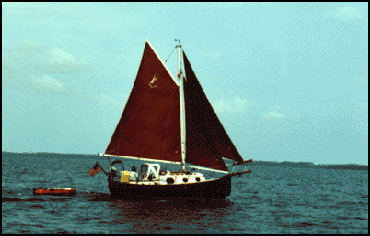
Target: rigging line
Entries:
(170, 54)
(164, 68)
(164, 44)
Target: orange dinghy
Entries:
(54, 191)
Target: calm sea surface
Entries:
(271, 200)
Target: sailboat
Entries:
(166, 121)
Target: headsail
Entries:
(206, 138)
(150, 122)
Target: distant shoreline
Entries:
(253, 163)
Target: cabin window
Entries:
(185, 180)
(170, 180)
(197, 179)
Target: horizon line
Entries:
(253, 160)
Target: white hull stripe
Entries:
(168, 162)
(209, 169)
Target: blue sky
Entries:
(289, 81)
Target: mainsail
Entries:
(150, 122)
(206, 139)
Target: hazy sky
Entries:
(289, 81)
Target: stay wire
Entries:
(170, 54)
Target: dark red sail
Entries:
(150, 123)
(206, 138)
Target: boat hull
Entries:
(54, 191)
(217, 188)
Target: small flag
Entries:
(95, 170)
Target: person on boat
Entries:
(113, 171)
(133, 175)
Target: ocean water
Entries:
(272, 199)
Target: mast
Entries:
(182, 112)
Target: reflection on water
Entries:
(171, 214)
